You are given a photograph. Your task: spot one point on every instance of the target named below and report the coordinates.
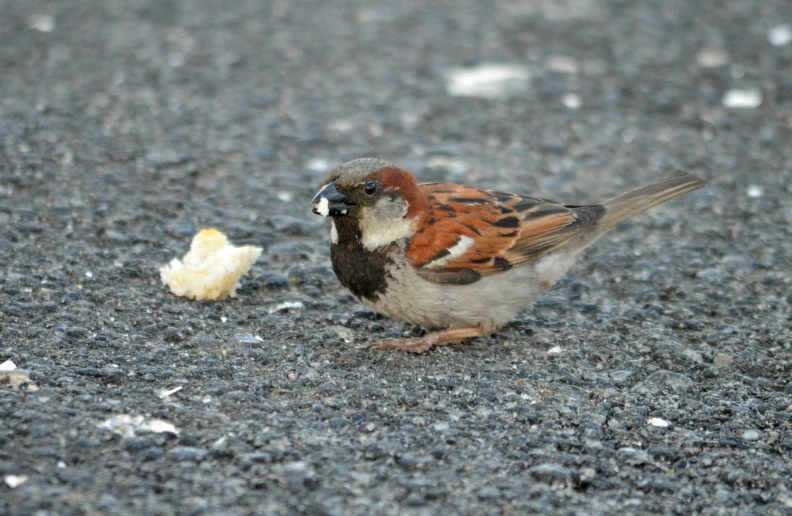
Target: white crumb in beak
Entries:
(323, 207)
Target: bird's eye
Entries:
(370, 188)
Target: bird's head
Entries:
(379, 198)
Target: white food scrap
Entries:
(212, 268)
(129, 426)
(14, 481)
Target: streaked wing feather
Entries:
(507, 230)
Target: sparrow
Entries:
(449, 256)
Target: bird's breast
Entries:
(362, 270)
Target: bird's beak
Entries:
(331, 202)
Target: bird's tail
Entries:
(666, 187)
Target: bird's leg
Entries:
(428, 341)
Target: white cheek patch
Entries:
(333, 232)
(385, 224)
(375, 236)
(456, 250)
(323, 207)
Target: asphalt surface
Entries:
(127, 126)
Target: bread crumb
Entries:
(212, 268)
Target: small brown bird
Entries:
(450, 256)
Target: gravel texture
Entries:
(127, 126)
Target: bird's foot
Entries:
(428, 341)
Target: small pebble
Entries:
(41, 23)
(554, 350)
(187, 454)
(159, 426)
(415, 500)
(722, 360)
(488, 80)
(664, 382)
(785, 499)
(658, 422)
(169, 392)
(319, 165)
(16, 379)
(75, 332)
(554, 474)
(249, 339)
(176, 59)
(14, 481)
(441, 427)
(710, 274)
(489, 493)
(285, 196)
(712, 58)
(742, 99)
(333, 403)
(572, 100)
(562, 64)
(342, 126)
(755, 191)
(8, 365)
(780, 35)
(750, 435)
(290, 306)
(128, 426)
(621, 377)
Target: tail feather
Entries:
(667, 187)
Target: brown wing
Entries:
(469, 233)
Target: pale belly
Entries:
(489, 303)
